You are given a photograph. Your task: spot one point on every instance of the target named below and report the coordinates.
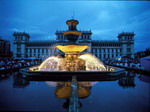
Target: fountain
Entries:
(73, 62)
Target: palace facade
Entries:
(103, 49)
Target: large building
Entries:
(103, 49)
(4, 48)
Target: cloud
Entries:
(15, 30)
(105, 18)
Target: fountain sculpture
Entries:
(73, 61)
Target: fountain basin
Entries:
(111, 73)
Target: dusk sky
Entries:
(106, 19)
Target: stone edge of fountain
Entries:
(81, 75)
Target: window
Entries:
(82, 37)
(61, 36)
(96, 50)
(18, 49)
(104, 50)
(104, 55)
(128, 45)
(108, 51)
(128, 50)
(112, 55)
(18, 45)
(58, 37)
(100, 56)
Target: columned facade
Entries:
(25, 48)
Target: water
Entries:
(92, 62)
(57, 63)
(130, 95)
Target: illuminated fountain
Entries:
(83, 62)
(74, 66)
(74, 63)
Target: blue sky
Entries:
(106, 19)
